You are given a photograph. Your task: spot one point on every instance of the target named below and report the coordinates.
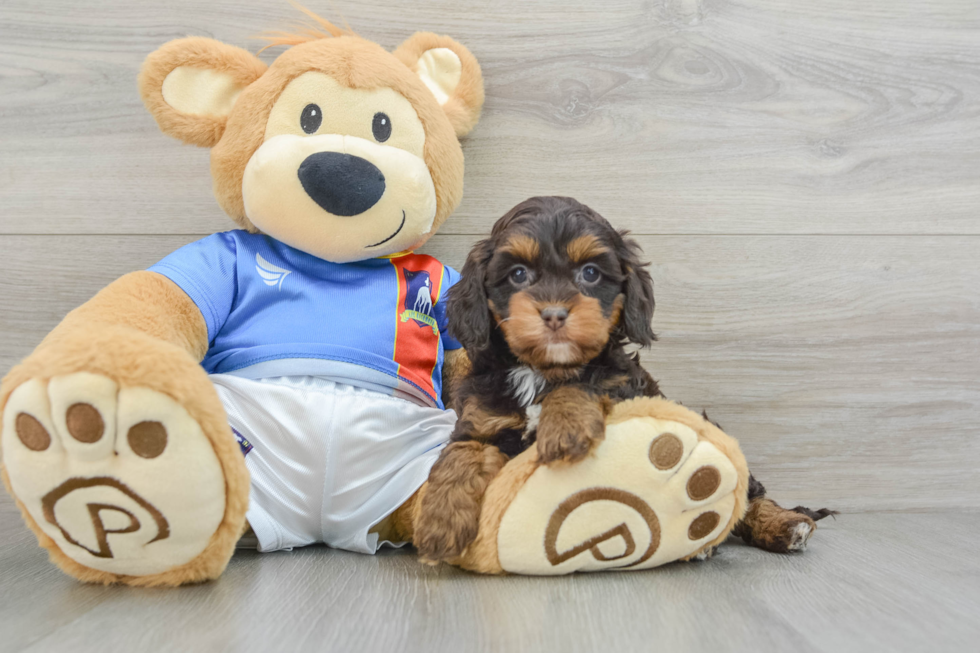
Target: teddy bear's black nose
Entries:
(341, 183)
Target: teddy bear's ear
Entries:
(451, 72)
(190, 86)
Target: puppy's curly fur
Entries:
(545, 309)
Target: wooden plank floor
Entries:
(674, 116)
(869, 582)
(804, 177)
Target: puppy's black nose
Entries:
(340, 183)
(554, 316)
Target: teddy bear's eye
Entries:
(311, 118)
(381, 126)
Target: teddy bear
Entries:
(288, 377)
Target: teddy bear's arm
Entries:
(145, 301)
(117, 391)
(144, 310)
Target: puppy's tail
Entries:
(816, 515)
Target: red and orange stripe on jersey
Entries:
(416, 352)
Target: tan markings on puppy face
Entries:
(587, 326)
(584, 334)
(522, 247)
(321, 132)
(585, 247)
(525, 332)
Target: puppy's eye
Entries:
(381, 127)
(311, 118)
(518, 276)
(591, 274)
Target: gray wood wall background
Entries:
(804, 177)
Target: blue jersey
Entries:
(272, 310)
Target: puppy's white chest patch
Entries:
(533, 417)
(525, 384)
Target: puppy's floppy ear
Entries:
(467, 310)
(638, 303)
(451, 72)
(190, 86)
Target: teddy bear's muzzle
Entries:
(342, 184)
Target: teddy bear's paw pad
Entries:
(651, 493)
(122, 479)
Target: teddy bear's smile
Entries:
(397, 231)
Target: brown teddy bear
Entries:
(288, 376)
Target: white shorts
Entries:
(328, 460)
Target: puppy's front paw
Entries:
(570, 437)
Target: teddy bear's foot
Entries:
(664, 485)
(122, 480)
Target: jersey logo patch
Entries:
(272, 275)
(418, 300)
